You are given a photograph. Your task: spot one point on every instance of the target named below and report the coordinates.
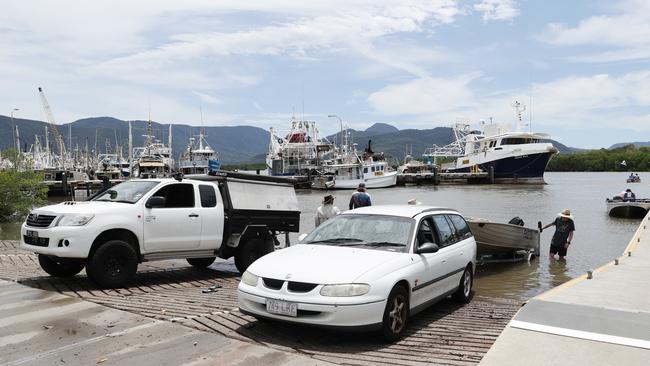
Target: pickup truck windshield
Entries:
(380, 232)
(127, 192)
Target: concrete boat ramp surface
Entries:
(602, 320)
(167, 316)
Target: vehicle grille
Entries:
(41, 242)
(272, 283)
(35, 220)
(301, 286)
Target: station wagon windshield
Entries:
(368, 231)
(127, 192)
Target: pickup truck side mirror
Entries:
(301, 237)
(155, 202)
(428, 248)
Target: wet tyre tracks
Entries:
(444, 334)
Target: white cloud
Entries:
(207, 98)
(424, 96)
(497, 9)
(626, 33)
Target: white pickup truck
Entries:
(224, 215)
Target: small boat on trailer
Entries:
(635, 208)
(504, 242)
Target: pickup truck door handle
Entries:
(193, 215)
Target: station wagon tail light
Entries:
(249, 279)
(74, 220)
(346, 290)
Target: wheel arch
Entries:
(116, 234)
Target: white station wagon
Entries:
(366, 269)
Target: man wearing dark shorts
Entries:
(564, 228)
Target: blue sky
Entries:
(415, 64)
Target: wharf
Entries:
(443, 178)
(171, 293)
(602, 318)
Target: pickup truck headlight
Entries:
(249, 279)
(346, 290)
(74, 220)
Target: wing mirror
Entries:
(155, 202)
(301, 237)
(428, 248)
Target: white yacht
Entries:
(512, 156)
(153, 160)
(298, 152)
(199, 157)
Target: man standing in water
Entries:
(564, 228)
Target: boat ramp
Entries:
(599, 318)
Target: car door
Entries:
(466, 242)
(426, 283)
(449, 252)
(211, 213)
(177, 225)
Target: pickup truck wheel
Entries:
(201, 262)
(113, 264)
(60, 267)
(251, 251)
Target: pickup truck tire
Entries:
(60, 267)
(250, 251)
(201, 262)
(113, 264)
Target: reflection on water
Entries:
(597, 240)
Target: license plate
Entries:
(282, 308)
(31, 233)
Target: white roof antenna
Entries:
(519, 109)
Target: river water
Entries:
(597, 240)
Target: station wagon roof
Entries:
(398, 210)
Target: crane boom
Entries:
(50, 119)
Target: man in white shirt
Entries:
(326, 210)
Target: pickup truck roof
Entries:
(398, 210)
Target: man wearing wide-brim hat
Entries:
(327, 210)
(564, 228)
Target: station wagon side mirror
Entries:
(155, 202)
(428, 248)
(301, 237)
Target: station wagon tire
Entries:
(464, 293)
(60, 267)
(113, 264)
(396, 314)
(250, 251)
(201, 262)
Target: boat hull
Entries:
(630, 209)
(528, 168)
(494, 238)
(384, 181)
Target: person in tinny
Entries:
(360, 198)
(326, 210)
(564, 228)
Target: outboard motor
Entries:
(516, 221)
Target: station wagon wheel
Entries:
(396, 314)
(464, 293)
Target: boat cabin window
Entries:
(518, 141)
(177, 195)
(446, 234)
(462, 229)
(425, 232)
(373, 168)
(365, 170)
(493, 143)
(208, 196)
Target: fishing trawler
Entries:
(153, 160)
(511, 156)
(199, 157)
(299, 152)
